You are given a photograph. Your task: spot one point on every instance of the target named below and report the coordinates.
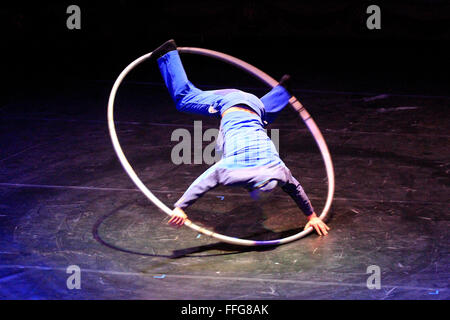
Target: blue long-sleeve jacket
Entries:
(249, 158)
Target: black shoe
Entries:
(164, 48)
(286, 82)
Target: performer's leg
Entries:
(274, 101)
(190, 99)
(187, 97)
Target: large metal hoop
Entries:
(264, 78)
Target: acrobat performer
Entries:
(249, 157)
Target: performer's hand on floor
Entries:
(320, 226)
(178, 217)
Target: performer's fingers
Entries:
(181, 222)
(174, 220)
(318, 230)
(323, 229)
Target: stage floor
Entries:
(65, 200)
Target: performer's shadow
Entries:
(244, 221)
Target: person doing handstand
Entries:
(249, 157)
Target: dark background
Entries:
(323, 44)
(65, 199)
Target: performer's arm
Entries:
(207, 181)
(295, 190)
